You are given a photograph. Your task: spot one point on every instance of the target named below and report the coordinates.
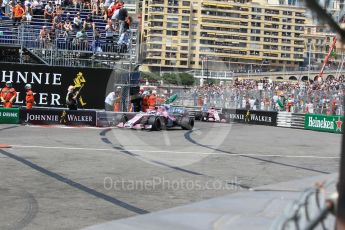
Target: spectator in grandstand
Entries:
(124, 26)
(96, 43)
(68, 31)
(120, 18)
(27, 17)
(57, 22)
(37, 7)
(109, 32)
(11, 4)
(44, 36)
(68, 17)
(113, 9)
(49, 11)
(67, 26)
(123, 42)
(106, 5)
(3, 4)
(18, 12)
(58, 10)
(95, 7)
(81, 38)
(52, 34)
(77, 22)
(88, 23)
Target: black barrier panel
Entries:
(50, 83)
(108, 119)
(252, 116)
(58, 117)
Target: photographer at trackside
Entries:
(72, 98)
(8, 95)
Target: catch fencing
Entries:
(296, 101)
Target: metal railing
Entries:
(294, 100)
(311, 210)
(69, 51)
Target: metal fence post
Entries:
(341, 190)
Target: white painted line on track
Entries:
(181, 152)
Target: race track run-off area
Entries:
(70, 178)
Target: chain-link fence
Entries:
(300, 100)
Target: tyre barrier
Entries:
(290, 120)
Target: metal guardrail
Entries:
(311, 210)
(67, 52)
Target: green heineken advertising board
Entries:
(334, 124)
(9, 116)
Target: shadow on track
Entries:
(123, 150)
(10, 127)
(188, 137)
(75, 184)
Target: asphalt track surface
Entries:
(70, 178)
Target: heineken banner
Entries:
(251, 116)
(9, 116)
(325, 123)
(50, 83)
(58, 117)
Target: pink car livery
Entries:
(163, 117)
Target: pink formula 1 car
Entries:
(212, 114)
(162, 117)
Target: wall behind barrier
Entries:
(50, 83)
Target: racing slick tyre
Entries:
(120, 118)
(156, 123)
(204, 116)
(187, 123)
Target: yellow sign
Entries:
(79, 83)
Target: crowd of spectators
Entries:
(323, 97)
(79, 30)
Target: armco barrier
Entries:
(108, 119)
(256, 117)
(58, 117)
(325, 123)
(290, 120)
(9, 116)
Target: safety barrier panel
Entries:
(58, 117)
(325, 123)
(290, 120)
(109, 119)
(9, 116)
(256, 117)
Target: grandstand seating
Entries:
(28, 36)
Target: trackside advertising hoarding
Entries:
(58, 117)
(256, 117)
(326, 123)
(50, 84)
(9, 116)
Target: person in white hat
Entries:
(30, 97)
(8, 95)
